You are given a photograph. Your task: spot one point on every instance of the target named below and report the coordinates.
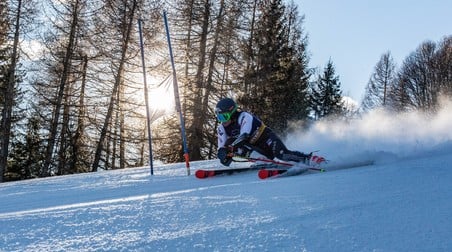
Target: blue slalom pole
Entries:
(146, 98)
(176, 98)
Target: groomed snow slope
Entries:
(401, 203)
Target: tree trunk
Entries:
(118, 81)
(79, 134)
(58, 103)
(9, 99)
(196, 128)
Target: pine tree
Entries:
(27, 155)
(277, 77)
(326, 95)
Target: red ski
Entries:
(268, 168)
(207, 173)
(211, 173)
(268, 173)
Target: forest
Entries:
(72, 81)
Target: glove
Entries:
(240, 141)
(242, 152)
(225, 156)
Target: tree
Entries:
(27, 156)
(379, 83)
(297, 70)
(205, 33)
(64, 51)
(277, 78)
(202, 87)
(326, 95)
(426, 75)
(4, 82)
(125, 29)
(416, 84)
(9, 81)
(443, 66)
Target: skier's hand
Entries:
(242, 152)
(225, 156)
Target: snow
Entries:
(402, 202)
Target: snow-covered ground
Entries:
(401, 203)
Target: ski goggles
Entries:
(225, 116)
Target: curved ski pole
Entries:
(277, 163)
(250, 159)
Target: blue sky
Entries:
(354, 34)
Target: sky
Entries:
(355, 33)
(402, 202)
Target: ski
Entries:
(201, 173)
(293, 171)
(272, 166)
(297, 170)
(267, 173)
(207, 173)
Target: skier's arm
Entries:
(222, 137)
(246, 123)
(223, 153)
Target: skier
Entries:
(241, 132)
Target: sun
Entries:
(160, 95)
(161, 98)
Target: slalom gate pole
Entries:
(176, 97)
(146, 99)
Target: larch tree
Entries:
(124, 23)
(416, 78)
(55, 89)
(424, 77)
(444, 66)
(12, 18)
(5, 47)
(376, 93)
(206, 45)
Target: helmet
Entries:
(225, 109)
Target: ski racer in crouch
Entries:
(241, 132)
